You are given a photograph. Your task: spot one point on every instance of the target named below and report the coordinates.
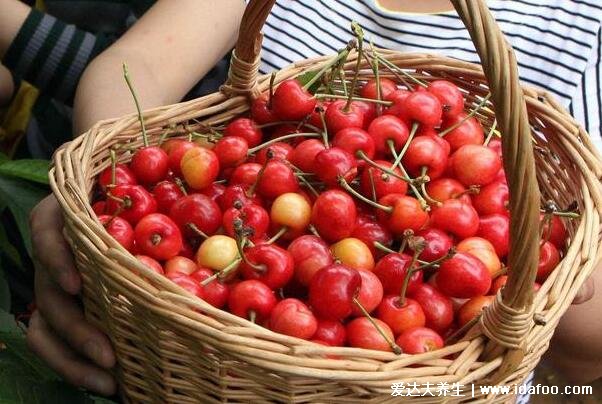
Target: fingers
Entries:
(585, 293)
(57, 354)
(62, 313)
(50, 248)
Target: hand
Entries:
(58, 332)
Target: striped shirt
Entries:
(557, 42)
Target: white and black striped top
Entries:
(557, 42)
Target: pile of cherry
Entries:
(376, 220)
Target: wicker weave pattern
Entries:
(173, 347)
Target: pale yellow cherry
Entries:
(353, 253)
(293, 211)
(217, 252)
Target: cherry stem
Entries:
(352, 98)
(491, 133)
(379, 90)
(570, 215)
(180, 185)
(343, 82)
(403, 151)
(223, 273)
(467, 117)
(423, 203)
(361, 155)
(324, 128)
(126, 202)
(359, 35)
(372, 185)
(155, 239)
(279, 139)
(308, 185)
(546, 225)
(113, 168)
(406, 280)
(277, 236)
(251, 191)
(312, 229)
(271, 93)
(396, 349)
(277, 123)
(342, 55)
(380, 246)
(194, 228)
(404, 241)
(348, 188)
(395, 68)
(126, 75)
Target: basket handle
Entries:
(507, 321)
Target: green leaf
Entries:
(27, 169)
(306, 78)
(3, 157)
(8, 249)
(4, 293)
(20, 197)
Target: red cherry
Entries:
(450, 96)
(443, 189)
(332, 291)
(291, 102)
(398, 108)
(463, 276)
(370, 294)
(469, 132)
(310, 254)
(392, 269)
(158, 236)
(492, 198)
(438, 308)
(399, 315)
(214, 192)
(384, 184)
(496, 229)
(119, 229)
(99, 207)
(166, 193)
(434, 135)
(370, 89)
(406, 213)
(497, 284)
(304, 155)
(131, 202)
(215, 293)
(200, 167)
(150, 164)
(186, 283)
(419, 340)
(361, 333)
(337, 118)
(251, 299)
(353, 140)
(278, 178)
(424, 108)
(245, 128)
(456, 217)
(292, 317)
(556, 234)
(496, 145)
(196, 210)
(334, 214)
(331, 332)
(235, 194)
(261, 111)
(151, 263)
(253, 217)
(549, 257)
(370, 231)
(123, 176)
(180, 265)
(476, 165)
(176, 152)
(245, 174)
(438, 244)
(473, 308)
(278, 150)
(425, 153)
(334, 163)
(268, 263)
(231, 151)
(369, 110)
(386, 129)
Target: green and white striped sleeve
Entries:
(52, 55)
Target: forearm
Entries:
(12, 15)
(165, 59)
(6, 86)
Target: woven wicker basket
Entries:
(168, 352)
